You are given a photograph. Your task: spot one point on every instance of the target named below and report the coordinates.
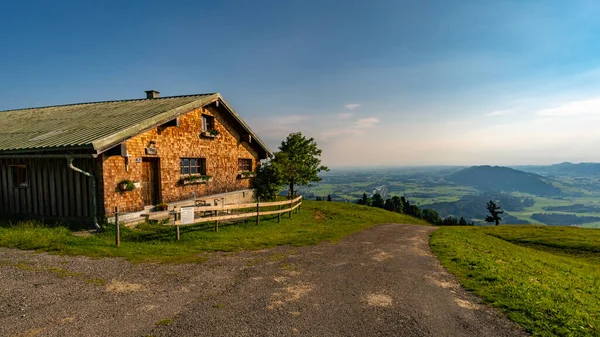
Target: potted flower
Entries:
(126, 185)
(161, 207)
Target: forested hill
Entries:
(497, 178)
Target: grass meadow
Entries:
(314, 223)
(545, 278)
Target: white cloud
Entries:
(345, 115)
(585, 107)
(499, 112)
(351, 106)
(365, 123)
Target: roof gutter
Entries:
(47, 156)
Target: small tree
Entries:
(462, 222)
(397, 204)
(450, 221)
(432, 217)
(389, 205)
(495, 212)
(364, 200)
(268, 181)
(299, 160)
(328, 197)
(404, 205)
(377, 201)
(319, 198)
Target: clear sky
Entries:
(374, 82)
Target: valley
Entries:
(563, 194)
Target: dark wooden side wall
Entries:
(54, 192)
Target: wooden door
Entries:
(150, 181)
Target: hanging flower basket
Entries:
(126, 185)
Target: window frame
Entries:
(242, 165)
(19, 171)
(194, 166)
(208, 123)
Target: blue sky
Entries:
(374, 82)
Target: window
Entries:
(244, 165)
(192, 166)
(208, 123)
(19, 176)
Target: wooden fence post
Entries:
(118, 230)
(257, 210)
(279, 215)
(177, 233)
(291, 203)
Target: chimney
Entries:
(150, 94)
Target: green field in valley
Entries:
(545, 278)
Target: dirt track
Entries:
(380, 282)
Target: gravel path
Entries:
(380, 282)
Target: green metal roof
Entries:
(97, 126)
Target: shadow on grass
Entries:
(154, 231)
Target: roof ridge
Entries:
(112, 101)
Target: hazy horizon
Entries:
(389, 83)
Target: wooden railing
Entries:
(228, 212)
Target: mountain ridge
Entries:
(488, 178)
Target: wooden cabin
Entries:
(74, 163)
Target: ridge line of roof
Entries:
(112, 101)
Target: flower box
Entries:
(210, 134)
(246, 175)
(195, 179)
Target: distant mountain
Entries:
(498, 178)
(564, 169)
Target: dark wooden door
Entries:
(150, 181)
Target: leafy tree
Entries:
(389, 205)
(299, 160)
(377, 201)
(415, 211)
(405, 205)
(495, 212)
(268, 181)
(432, 217)
(364, 200)
(397, 204)
(319, 199)
(462, 222)
(329, 197)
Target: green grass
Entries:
(314, 223)
(545, 278)
(164, 322)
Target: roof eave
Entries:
(239, 119)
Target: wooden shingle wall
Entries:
(173, 143)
